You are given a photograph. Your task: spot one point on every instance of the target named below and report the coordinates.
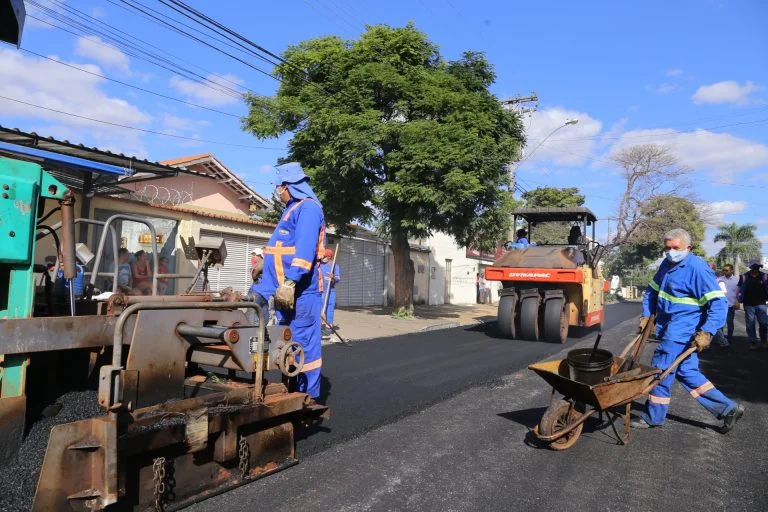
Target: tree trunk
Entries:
(401, 251)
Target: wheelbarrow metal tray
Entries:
(600, 396)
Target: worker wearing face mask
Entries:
(291, 271)
(690, 307)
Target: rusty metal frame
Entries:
(100, 250)
(113, 372)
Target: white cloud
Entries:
(93, 47)
(176, 124)
(662, 88)
(721, 153)
(571, 145)
(48, 84)
(39, 14)
(728, 91)
(615, 131)
(98, 12)
(210, 95)
(675, 72)
(714, 214)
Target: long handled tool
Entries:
(328, 294)
(638, 344)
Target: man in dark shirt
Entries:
(753, 293)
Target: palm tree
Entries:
(741, 244)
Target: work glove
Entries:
(643, 323)
(258, 268)
(702, 340)
(284, 295)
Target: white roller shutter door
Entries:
(362, 265)
(236, 271)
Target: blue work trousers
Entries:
(331, 309)
(759, 312)
(304, 322)
(690, 377)
(722, 333)
(263, 303)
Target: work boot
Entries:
(731, 418)
(641, 423)
(326, 331)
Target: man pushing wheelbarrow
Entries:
(688, 308)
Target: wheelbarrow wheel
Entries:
(557, 418)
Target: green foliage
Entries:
(552, 197)
(403, 313)
(392, 134)
(271, 214)
(544, 197)
(741, 244)
(660, 214)
(634, 259)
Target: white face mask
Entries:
(675, 256)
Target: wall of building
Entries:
(463, 272)
(191, 191)
(421, 282)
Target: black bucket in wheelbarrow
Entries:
(586, 371)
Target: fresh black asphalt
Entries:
(475, 450)
(372, 383)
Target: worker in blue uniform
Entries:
(291, 270)
(331, 276)
(690, 307)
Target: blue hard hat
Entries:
(289, 173)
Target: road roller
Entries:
(550, 286)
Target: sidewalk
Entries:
(363, 323)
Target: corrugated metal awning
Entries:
(70, 163)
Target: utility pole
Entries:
(522, 105)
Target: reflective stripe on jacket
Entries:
(686, 299)
(294, 248)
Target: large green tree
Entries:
(394, 135)
(543, 197)
(552, 197)
(741, 244)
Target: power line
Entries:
(127, 127)
(237, 46)
(466, 21)
(201, 80)
(671, 131)
(234, 57)
(161, 95)
(220, 27)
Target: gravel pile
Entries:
(19, 479)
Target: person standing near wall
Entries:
(331, 276)
(292, 272)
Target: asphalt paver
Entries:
(476, 451)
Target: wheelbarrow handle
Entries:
(669, 370)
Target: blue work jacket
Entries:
(294, 250)
(328, 275)
(686, 299)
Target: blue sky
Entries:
(690, 74)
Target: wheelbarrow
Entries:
(563, 421)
